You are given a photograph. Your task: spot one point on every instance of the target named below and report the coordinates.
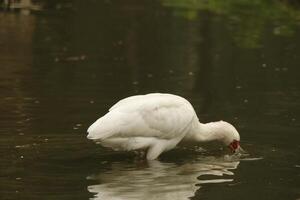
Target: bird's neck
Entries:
(205, 132)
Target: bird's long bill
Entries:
(240, 150)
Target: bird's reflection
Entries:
(159, 180)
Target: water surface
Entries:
(61, 69)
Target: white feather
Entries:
(157, 122)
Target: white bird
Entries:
(157, 123)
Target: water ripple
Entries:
(158, 180)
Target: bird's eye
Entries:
(234, 145)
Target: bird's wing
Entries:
(164, 118)
(125, 101)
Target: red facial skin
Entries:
(234, 145)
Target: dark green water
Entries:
(62, 69)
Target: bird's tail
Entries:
(104, 127)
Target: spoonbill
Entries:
(156, 123)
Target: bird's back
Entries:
(150, 101)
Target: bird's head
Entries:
(230, 137)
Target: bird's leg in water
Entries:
(140, 154)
